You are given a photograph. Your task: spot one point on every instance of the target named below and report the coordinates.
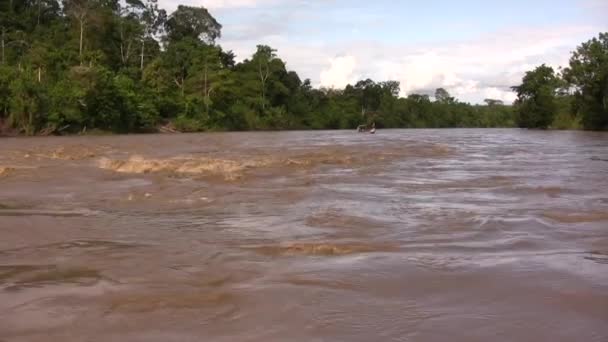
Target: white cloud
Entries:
(340, 72)
(470, 70)
(216, 4)
(171, 5)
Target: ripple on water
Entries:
(192, 299)
(9, 172)
(576, 217)
(550, 191)
(228, 169)
(231, 168)
(323, 249)
(68, 152)
(312, 281)
(598, 257)
(339, 218)
(8, 272)
(16, 277)
(48, 212)
(87, 246)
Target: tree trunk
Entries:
(263, 96)
(205, 87)
(2, 43)
(263, 78)
(180, 84)
(125, 52)
(122, 47)
(81, 39)
(143, 46)
(39, 74)
(39, 10)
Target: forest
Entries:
(83, 66)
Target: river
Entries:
(406, 235)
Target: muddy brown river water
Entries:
(406, 235)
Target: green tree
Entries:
(152, 19)
(129, 29)
(442, 96)
(211, 73)
(7, 74)
(493, 102)
(536, 98)
(588, 74)
(192, 22)
(178, 61)
(263, 58)
(27, 104)
(67, 107)
(81, 11)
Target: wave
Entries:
(577, 217)
(6, 171)
(322, 249)
(229, 168)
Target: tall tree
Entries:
(442, 96)
(80, 10)
(588, 73)
(192, 22)
(9, 27)
(129, 28)
(536, 97)
(178, 61)
(263, 59)
(153, 20)
(211, 74)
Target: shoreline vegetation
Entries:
(109, 66)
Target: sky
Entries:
(475, 49)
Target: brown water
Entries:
(406, 235)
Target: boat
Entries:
(366, 128)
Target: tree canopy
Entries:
(536, 98)
(588, 75)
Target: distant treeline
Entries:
(126, 66)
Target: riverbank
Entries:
(561, 123)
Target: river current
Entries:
(405, 235)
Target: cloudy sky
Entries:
(474, 48)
